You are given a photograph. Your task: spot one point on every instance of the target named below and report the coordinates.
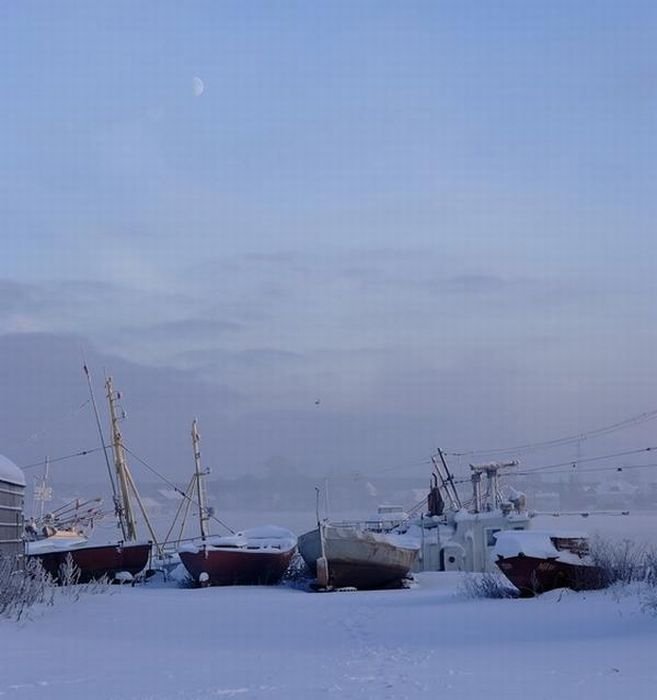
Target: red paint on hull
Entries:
(533, 575)
(235, 566)
(95, 561)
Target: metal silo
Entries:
(12, 493)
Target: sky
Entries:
(380, 228)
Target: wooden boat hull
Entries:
(96, 561)
(356, 560)
(534, 575)
(236, 566)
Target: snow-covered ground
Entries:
(158, 641)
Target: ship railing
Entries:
(383, 525)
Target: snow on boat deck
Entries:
(250, 642)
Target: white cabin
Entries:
(464, 539)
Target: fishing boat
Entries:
(439, 534)
(70, 522)
(458, 536)
(81, 562)
(254, 556)
(348, 555)
(493, 534)
(539, 561)
(67, 554)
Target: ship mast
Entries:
(42, 492)
(492, 499)
(123, 503)
(447, 488)
(203, 514)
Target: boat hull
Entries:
(357, 559)
(96, 561)
(534, 575)
(236, 566)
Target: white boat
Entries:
(452, 537)
(350, 555)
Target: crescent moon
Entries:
(198, 87)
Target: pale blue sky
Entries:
(379, 202)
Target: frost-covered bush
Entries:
(68, 574)
(23, 587)
(297, 574)
(68, 581)
(649, 596)
(649, 600)
(29, 585)
(651, 568)
(624, 563)
(487, 585)
(621, 562)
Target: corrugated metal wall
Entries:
(11, 519)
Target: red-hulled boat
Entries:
(536, 561)
(90, 562)
(58, 549)
(257, 556)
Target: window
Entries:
(490, 536)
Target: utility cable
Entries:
(563, 441)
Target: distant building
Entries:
(12, 494)
(546, 501)
(616, 493)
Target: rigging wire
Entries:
(51, 424)
(82, 453)
(172, 485)
(99, 427)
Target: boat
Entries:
(448, 535)
(66, 553)
(494, 534)
(257, 556)
(348, 555)
(540, 561)
(458, 537)
(445, 537)
(70, 522)
(81, 562)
